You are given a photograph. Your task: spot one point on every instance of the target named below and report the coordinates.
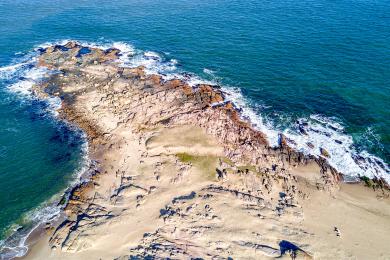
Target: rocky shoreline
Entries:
(179, 174)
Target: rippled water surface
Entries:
(325, 64)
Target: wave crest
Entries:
(308, 135)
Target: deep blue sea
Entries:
(316, 70)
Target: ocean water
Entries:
(317, 71)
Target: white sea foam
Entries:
(22, 76)
(154, 63)
(7, 71)
(49, 44)
(28, 79)
(319, 131)
(25, 76)
(209, 72)
(153, 55)
(15, 245)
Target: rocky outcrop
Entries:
(191, 203)
(150, 101)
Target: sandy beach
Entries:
(178, 174)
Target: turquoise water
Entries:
(325, 64)
(38, 158)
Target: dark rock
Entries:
(60, 47)
(324, 152)
(71, 45)
(83, 51)
(310, 145)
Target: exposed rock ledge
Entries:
(179, 174)
(173, 103)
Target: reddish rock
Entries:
(174, 83)
(138, 71)
(283, 141)
(229, 105)
(156, 79)
(187, 89)
(71, 45)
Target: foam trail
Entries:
(29, 78)
(209, 72)
(320, 132)
(317, 132)
(155, 63)
(21, 77)
(7, 70)
(15, 245)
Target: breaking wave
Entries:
(20, 79)
(308, 135)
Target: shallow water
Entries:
(38, 155)
(323, 63)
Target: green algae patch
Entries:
(227, 161)
(186, 158)
(367, 181)
(207, 164)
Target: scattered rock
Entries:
(324, 152)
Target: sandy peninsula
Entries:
(178, 174)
